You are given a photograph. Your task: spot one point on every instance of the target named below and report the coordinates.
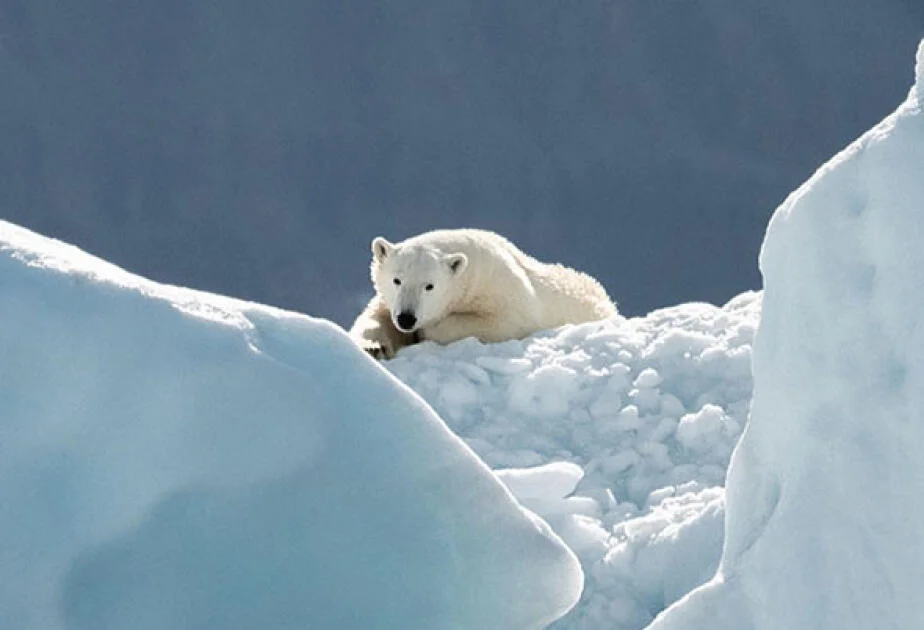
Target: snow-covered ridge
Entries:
(174, 459)
(630, 423)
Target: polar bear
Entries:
(447, 285)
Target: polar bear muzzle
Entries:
(406, 321)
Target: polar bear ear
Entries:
(381, 248)
(457, 262)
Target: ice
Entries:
(706, 432)
(583, 424)
(552, 481)
(919, 73)
(648, 379)
(173, 459)
(545, 391)
(824, 517)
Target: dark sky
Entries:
(255, 149)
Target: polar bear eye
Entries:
(429, 287)
(397, 282)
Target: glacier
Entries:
(174, 459)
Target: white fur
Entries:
(480, 285)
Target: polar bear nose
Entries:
(406, 321)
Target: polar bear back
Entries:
(505, 282)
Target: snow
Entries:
(173, 459)
(617, 433)
(177, 459)
(824, 519)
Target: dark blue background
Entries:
(256, 148)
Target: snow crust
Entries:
(617, 433)
(173, 459)
(824, 513)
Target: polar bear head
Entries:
(418, 283)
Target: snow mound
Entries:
(824, 516)
(172, 459)
(618, 433)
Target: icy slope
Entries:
(172, 459)
(640, 416)
(824, 493)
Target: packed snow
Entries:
(617, 432)
(173, 459)
(824, 512)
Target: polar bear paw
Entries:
(381, 351)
